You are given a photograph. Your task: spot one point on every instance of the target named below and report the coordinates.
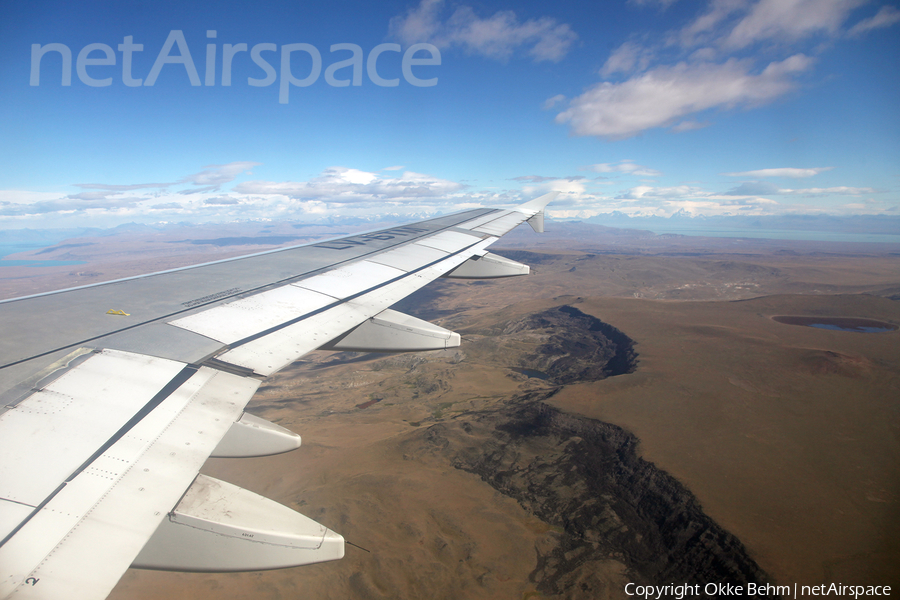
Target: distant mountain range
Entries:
(874, 224)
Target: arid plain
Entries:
(772, 449)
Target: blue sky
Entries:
(648, 107)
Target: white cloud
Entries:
(789, 20)
(496, 37)
(735, 24)
(551, 102)
(662, 3)
(665, 94)
(122, 188)
(782, 172)
(753, 188)
(689, 125)
(839, 191)
(624, 166)
(708, 27)
(344, 185)
(222, 201)
(627, 58)
(648, 200)
(886, 16)
(703, 55)
(24, 197)
(210, 178)
(74, 203)
(418, 24)
(534, 178)
(665, 201)
(216, 175)
(679, 191)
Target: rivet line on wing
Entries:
(176, 382)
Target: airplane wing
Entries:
(112, 396)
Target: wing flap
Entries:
(272, 351)
(78, 544)
(62, 425)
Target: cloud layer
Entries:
(215, 194)
(204, 197)
(341, 185)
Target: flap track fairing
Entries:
(220, 527)
(392, 331)
(252, 436)
(488, 266)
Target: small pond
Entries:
(531, 373)
(838, 323)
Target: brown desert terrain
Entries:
(630, 412)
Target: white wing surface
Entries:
(112, 396)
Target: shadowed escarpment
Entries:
(580, 347)
(585, 477)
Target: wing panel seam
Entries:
(186, 373)
(313, 313)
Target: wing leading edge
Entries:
(107, 418)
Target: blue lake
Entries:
(7, 249)
(39, 263)
(15, 248)
(856, 329)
